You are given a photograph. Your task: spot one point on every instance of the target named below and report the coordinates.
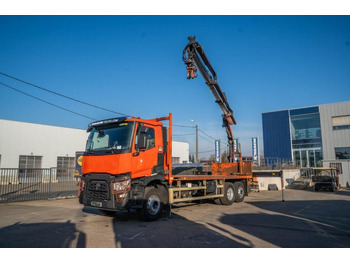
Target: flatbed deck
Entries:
(211, 177)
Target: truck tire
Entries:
(239, 191)
(153, 204)
(229, 196)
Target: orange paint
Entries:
(137, 163)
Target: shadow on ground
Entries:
(290, 224)
(44, 235)
(296, 224)
(168, 232)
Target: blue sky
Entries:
(133, 65)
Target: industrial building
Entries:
(312, 136)
(28, 145)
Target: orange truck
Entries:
(128, 161)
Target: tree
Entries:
(212, 158)
(224, 157)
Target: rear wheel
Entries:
(229, 196)
(239, 191)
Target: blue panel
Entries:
(303, 111)
(276, 135)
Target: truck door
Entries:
(145, 152)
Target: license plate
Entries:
(96, 204)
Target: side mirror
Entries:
(142, 141)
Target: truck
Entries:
(127, 163)
(326, 178)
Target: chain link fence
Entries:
(17, 184)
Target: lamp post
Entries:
(196, 141)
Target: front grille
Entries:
(98, 186)
(97, 190)
(95, 195)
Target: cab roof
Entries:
(119, 120)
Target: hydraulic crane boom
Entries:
(195, 58)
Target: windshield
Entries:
(116, 138)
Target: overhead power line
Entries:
(203, 152)
(61, 95)
(185, 126)
(65, 109)
(184, 134)
(207, 134)
(206, 139)
(166, 124)
(212, 141)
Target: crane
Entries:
(195, 58)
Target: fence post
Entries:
(50, 182)
(282, 185)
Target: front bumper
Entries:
(98, 192)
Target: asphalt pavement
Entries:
(305, 219)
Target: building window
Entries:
(29, 167)
(65, 167)
(306, 131)
(28, 162)
(341, 122)
(342, 153)
(306, 137)
(175, 160)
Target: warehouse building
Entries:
(28, 145)
(312, 136)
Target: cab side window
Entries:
(151, 142)
(150, 138)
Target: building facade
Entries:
(311, 136)
(27, 145)
(181, 152)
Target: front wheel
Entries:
(153, 203)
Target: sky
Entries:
(133, 65)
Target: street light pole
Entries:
(197, 144)
(197, 160)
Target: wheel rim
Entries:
(230, 194)
(153, 204)
(240, 192)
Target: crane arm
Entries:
(195, 58)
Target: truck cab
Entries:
(122, 156)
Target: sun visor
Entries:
(105, 122)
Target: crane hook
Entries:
(191, 72)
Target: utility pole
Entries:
(197, 144)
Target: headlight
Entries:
(121, 186)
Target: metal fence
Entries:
(33, 184)
(275, 163)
